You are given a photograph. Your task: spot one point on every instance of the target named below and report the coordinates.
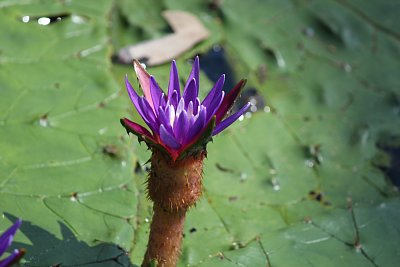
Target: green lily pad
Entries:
(299, 182)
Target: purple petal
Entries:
(191, 121)
(156, 93)
(196, 106)
(163, 118)
(12, 259)
(197, 126)
(190, 109)
(7, 237)
(174, 80)
(170, 113)
(133, 96)
(168, 139)
(181, 126)
(216, 90)
(163, 101)
(181, 106)
(225, 123)
(5, 243)
(173, 100)
(194, 74)
(191, 92)
(214, 105)
(148, 114)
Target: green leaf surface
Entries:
(302, 181)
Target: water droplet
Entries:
(43, 121)
(44, 21)
(347, 67)
(25, 19)
(243, 176)
(309, 32)
(275, 184)
(267, 109)
(279, 59)
(217, 48)
(241, 118)
(205, 16)
(103, 130)
(234, 246)
(253, 96)
(247, 115)
(78, 19)
(146, 219)
(123, 163)
(309, 163)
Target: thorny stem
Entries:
(165, 237)
(173, 187)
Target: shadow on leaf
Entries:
(48, 250)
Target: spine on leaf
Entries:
(174, 187)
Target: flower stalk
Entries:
(174, 187)
(181, 126)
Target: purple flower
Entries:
(180, 122)
(5, 241)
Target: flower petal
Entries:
(170, 112)
(194, 74)
(168, 139)
(191, 92)
(200, 140)
(174, 80)
(144, 80)
(197, 126)
(148, 114)
(225, 123)
(163, 118)
(135, 128)
(7, 237)
(216, 90)
(181, 106)
(196, 106)
(156, 94)
(181, 126)
(133, 95)
(228, 101)
(214, 105)
(14, 258)
(173, 100)
(163, 101)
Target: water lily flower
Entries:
(5, 241)
(179, 121)
(180, 125)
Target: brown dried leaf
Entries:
(188, 31)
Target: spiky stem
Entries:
(173, 187)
